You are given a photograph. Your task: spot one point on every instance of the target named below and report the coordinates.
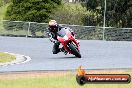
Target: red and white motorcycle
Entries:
(70, 44)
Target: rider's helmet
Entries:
(53, 26)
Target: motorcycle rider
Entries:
(53, 28)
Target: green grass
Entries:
(3, 11)
(2, 14)
(67, 81)
(20, 32)
(4, 57)
(39, 33)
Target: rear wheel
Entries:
(74, 50)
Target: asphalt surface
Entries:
(96, 54)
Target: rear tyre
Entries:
(74, 50)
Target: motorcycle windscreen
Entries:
(63, 32)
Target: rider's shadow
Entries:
(70, 57)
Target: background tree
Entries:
(70, 13)
(95, 8)
(118, 12)
(1, 3)
(31, 10)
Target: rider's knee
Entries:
(54, 53)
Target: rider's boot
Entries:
(56, 48)
(63, 50)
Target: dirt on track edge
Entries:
(38, 74)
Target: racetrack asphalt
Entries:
(96, 54)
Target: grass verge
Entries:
(3, 11)
(4, 57)
(55, 80)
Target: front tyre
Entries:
(74, 50)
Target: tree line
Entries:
(86, 12)
(118, 12)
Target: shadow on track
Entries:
(71, 57)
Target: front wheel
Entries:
(74, 50)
